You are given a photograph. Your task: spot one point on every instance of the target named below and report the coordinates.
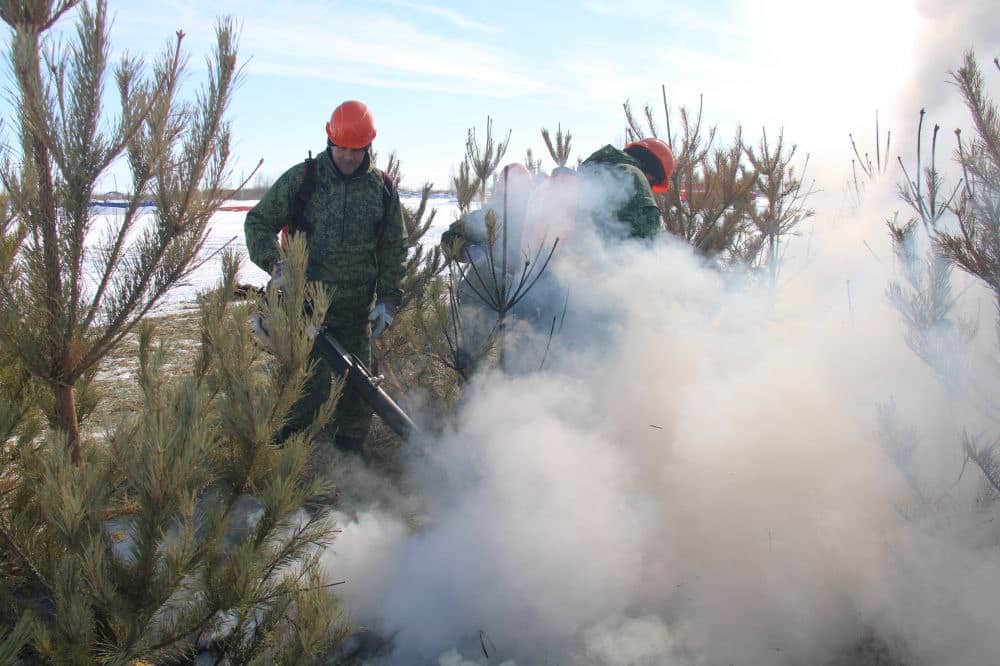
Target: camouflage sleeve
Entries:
(391, 253)
(265, 220)
(463, 233)
(454, 234)
(642, 215)
(454, 241)
(647, 223)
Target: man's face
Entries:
(348, 159)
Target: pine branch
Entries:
(26, 562)
(560, 150)
(984, 458)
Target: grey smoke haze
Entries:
(952, 29)
(822, 70)
(696, 478)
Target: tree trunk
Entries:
(67, 419)
(772, 243)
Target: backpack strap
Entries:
(302, 196)
(308, 186)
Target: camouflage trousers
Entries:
(353, 416)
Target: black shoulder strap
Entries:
(302, 196)
(308, 186)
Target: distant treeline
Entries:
(255, 193)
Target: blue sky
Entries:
(429, 71)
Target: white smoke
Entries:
(695, 478)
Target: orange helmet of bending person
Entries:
(662, 157)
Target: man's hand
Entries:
(382, 316)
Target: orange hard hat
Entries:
(664, 156)
(351, 125)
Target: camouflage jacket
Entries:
(613, 186)
(356, 248)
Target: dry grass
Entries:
(116, 379)
(179, 332)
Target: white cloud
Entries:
(596, 78)
(455, 18)
(384, 48)
(358, 77)
(679, 14)
(600, 7)
(334, 42)
(818, 70)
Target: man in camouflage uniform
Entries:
(613, 190)
(357, 249)
(635, 173)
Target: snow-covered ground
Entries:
(226, 229)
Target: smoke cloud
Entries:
(696, 477)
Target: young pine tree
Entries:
(216, 555)
(975, 247)
(782, 194)
(183, 531)
(962, 227)
(735, 204)
(711, 188)
(559, 149)
(400, 353)
(63, 303)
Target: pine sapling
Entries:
(711, 188)
(216, 554)
(784, 197)
(559, 149)
(66, 303)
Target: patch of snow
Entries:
(225, 229)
